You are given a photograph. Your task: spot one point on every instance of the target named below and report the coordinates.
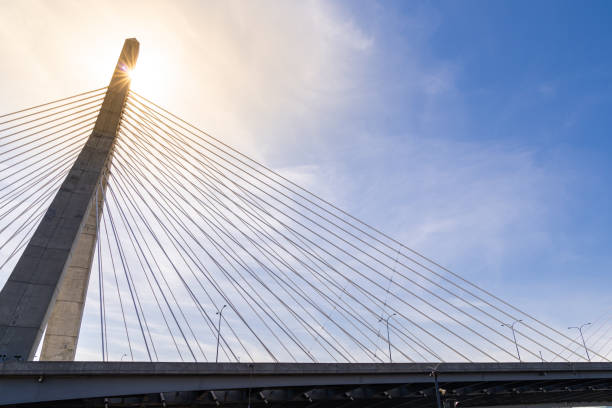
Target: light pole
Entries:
(583, 342)
(220, 312)
(388, 338)
(511, 326)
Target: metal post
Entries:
(388, 338)
(53, 271)
(220, 312)
(435, 376)
(583, 342)
(511, 326)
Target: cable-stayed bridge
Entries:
(214, 280)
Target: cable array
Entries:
(204, 254)
(202, 226)
(597, 336)
(37, 148)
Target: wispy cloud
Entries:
(370, 120)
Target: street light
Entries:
(220, 312)
(388, 339)
(583, 342)
(511, 326)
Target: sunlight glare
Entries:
(150, 75)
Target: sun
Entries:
(150, 73)
(131, 73)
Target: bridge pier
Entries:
(55, 265)
(62, 332)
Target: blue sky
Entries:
(521, 104)
(473, 131)
(490, 119)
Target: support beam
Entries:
(60, 248)
(299, 385)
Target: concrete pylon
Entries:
(64, 324)
(52, 275)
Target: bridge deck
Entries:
(300, 385)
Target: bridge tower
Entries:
(48, 285)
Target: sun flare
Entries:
(149, 74)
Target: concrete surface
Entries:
(27, 298)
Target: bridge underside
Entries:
(116, 384)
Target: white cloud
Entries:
(302, 86)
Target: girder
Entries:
(303, 385)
